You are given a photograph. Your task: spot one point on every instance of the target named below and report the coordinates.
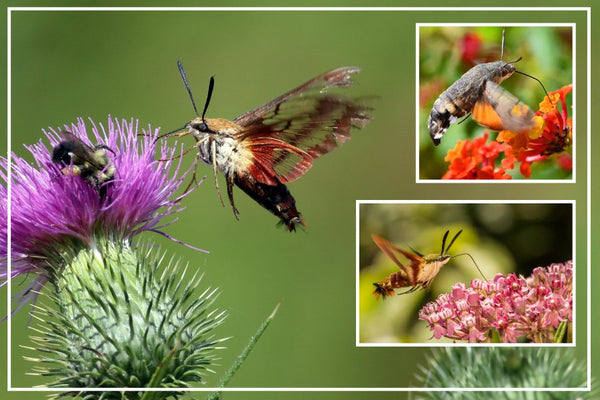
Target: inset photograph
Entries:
(434, 273)
(495, 102)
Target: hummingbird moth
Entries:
(478, 93)
(265, 148)
(420, 271)
(92, 163)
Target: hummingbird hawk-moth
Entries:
(265, 148)
(420, 271)
(478, 93)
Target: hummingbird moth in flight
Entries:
(265, 148)
(420, 271)
(478, 93)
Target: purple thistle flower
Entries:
(514, 306)
(51, 208)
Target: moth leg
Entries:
(213, 150)
(464, 119)
(176, 157)
(412, 289)
(230, 194)
(193, 180)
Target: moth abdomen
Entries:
(386, 287)
(275, 198)
(443, 114)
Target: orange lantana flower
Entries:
(475, 159)
(553, 136)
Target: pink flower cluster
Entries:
(513, 306)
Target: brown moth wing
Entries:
(300, 131)
(498, 110)
(286, 134)
(339, 77)
(275, 161)
(416, 261)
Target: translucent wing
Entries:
(498, 109)
(340, 77)
(72, 146)
(286, 134)
(416, 261)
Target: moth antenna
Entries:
(187, 86)
(211, 85)
(415, 251)
(451, 242)
(502, 48)
(523, 73)
(444, 242)
(472, 259)
(515, 61)
(540, 82)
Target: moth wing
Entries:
(287, 133)
(390, 250)
(340, 77)
(275, 161)
(499, 110)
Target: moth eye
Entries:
(201, 126)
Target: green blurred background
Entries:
(547, 54)
(69, 64)
(501, 238)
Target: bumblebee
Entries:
(91, 163)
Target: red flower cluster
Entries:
(476, 159)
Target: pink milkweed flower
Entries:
(513, 306)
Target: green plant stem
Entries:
(243, 355)
(561, 332)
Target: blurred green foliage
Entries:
(547, 54)
(505, 368)
(502, 238)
